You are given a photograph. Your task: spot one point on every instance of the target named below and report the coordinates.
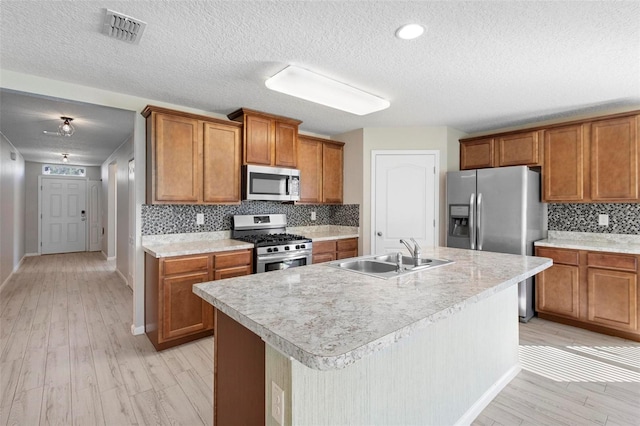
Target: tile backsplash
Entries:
(624, 218)
(181, 218)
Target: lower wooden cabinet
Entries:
(173, 313)
(326, 251)
(594, 290)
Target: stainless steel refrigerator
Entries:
(498, 210)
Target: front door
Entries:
(405, 199)
(64, 215)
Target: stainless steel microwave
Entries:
(270, 183)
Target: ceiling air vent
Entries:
(123, 27)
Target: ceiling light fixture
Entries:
(409, 31)
(65, 158)
(307, 85)
(66, 129)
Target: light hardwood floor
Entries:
(67, 356)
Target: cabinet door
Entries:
(557, 291)
(564, 164)
(257, 144)
(477, 154)
(310, 165)
(521, 149)
(613, 298)
(332, 170)
(183, 312)
(614, 159)
(177, 169)
(286, 144)
(221, 163)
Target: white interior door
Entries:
(404, 199)
(63, 209)
(132, 224)
(94, 213)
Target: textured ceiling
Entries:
(480, 65)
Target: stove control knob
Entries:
(275, 249)
(286, 247)
(269, 250)
(302, 246)
(297, 246)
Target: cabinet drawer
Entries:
(231, 259)
(347, 245)
(612, 261)
(323, 257)
(567, 257)
(180, 265)
(324, 246)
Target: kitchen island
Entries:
(432, 347)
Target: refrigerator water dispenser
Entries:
(458, 220)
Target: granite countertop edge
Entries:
(335, 362)
(602, 246)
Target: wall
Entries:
(117, 240)
(624, 218)
(177, 219)
(353, 175)
(32, 171)
(440, 139)
(12, 205)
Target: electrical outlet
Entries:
(313, 215)
(200, 219)
(603, 220)
(277, 403)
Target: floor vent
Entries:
(123, 27)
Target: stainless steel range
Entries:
(274, 249)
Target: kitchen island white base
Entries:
(443, 374)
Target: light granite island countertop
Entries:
(331, 332)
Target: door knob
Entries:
(379, 234)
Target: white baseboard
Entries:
(107, 257)
(475, 410)
(137, 330)
(15, 269)
(31, 254)
(122, 276)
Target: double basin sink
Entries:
(386, 266)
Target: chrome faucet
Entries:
(415, 252)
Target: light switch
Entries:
(200, 219)
(313, 215)
(603, 220)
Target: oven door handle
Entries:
(283, 256)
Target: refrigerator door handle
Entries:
(479, 221)
(472, 216)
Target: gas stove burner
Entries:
(263, 240)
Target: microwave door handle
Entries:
(288, 185)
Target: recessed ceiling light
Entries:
(307, 85)
(409, 31)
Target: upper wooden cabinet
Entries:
(191, 159)
(512, 149)
(477, 154)
(519, 149)
(614, 159)
(592, 161)
(268, 140)
(321, 170)
(565, 163)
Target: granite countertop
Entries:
(328, 318)
(324, 233)
(167, 245)
(613, 243)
